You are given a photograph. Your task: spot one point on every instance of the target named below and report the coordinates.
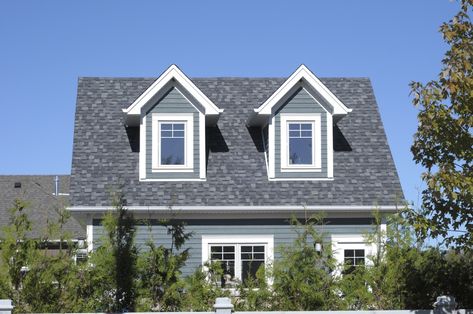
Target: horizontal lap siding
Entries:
(172, 102)
(301, 102)
(284, 234)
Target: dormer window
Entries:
(297, 122)
(172, 115)
(300, 142)
(172, 142)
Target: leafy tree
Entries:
(302, 277)
(112, 275)
(443, 141)
(255, 294)
(382, 283)
(51, 277)
(161, 287)
(17, 252)
(202, 287)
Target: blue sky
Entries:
(46, 45)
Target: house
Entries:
(44, 195)
(234, 158)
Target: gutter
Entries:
(240, 209)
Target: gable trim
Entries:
(172, 73)
(303, 73)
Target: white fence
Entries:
(444, 305)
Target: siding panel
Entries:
(173, 102)
(300, 102)
(284, 234)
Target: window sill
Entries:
(301, 169)
(172, 169)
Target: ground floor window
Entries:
(351, 251)
(240, 257)
(353, 258)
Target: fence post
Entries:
(223, 306)
(444, 305)
(6, 306)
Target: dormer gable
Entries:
(172, 77)
(297, 122)
(302, 76)
(172, 115)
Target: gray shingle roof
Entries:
(37, 191)
(105, 153)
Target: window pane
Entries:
(216, 249)
(246, 249)
(172, 151)
(294, 134)
(306, 134)
(216, 256)
(166, 133)
(259, 248)
(349, 253)
(249, 269)
(166, 126)
(178, 134)
(294, 126)
(360, 253)
(259, 256)
(245, 255)
(306, 126)
(178, 126)
(229, 249)
(229, 256)
(300, 151)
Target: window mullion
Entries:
(238, 262)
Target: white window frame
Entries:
(315, 120)
(188, 120)
(238, 241)
(340, 243)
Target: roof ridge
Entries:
(219, 77)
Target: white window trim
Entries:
(188, 120)
(315, 120)
(350, 242)
(266, 240)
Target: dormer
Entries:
(297, 128)
(172, 115)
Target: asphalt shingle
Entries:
(105, 155)
(42, 205)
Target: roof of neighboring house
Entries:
(105, 153)
(38, 191)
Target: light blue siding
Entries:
(172, 102)
(283, 232)
(300, 102)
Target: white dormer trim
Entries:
(302, 73)
(172, 73)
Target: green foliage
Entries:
(255, 294)
(444, 140)
(18, 251)
(202, 288)
(113, 264)
(302, 275)
(160, 270)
